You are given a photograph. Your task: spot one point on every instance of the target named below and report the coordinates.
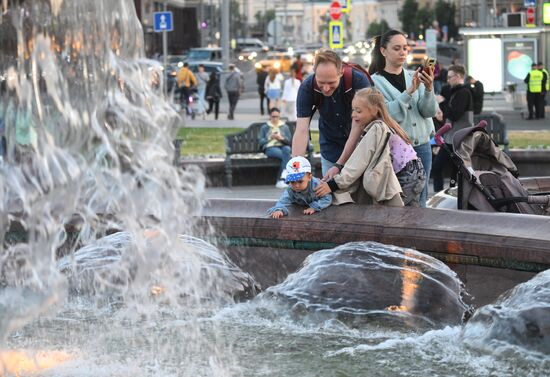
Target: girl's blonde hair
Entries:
(371, 97)
(273, 74)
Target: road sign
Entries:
(530, 19)
(529, 3)
(346, 6)
(162, 21)
(336, 36)
(335, 10)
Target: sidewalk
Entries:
(248, 111)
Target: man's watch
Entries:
(339, 166)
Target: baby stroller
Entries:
(487, 177)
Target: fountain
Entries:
(96, 278)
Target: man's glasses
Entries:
(275, 116)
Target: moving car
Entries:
(281, 61)
(417, 56)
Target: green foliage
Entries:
(407, 16)
(445, 15)
(376, 28)
(424, 19)
(237, 21)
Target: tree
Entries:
(445, 16)
(376, 28)
(407, 16)
(236, 20)
(424, 19)
(262, 20)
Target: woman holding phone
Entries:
(274, 139)
(409, 94)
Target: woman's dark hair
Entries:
(378, 61)
(273, 110)
(213, 76)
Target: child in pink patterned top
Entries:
(401, 152)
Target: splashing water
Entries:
(89, 153)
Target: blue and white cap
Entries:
(296, 168)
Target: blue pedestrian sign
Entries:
(335, 34)
(529, 3)
(162, 21)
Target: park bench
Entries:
(243, 150)
(495, 127)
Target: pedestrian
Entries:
(326, 91)
(476, 87)
(290, 93)
(185, 80)
(535, 100)
(297, 67)
(459, 112)
(274, 139)
(213, 94)
(301, 190)
(202, 80)
(384, 160)
(234, 86)
(274, 88)
(261, 76)
(409, 94)
(438, 83)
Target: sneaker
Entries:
(281, 184)
(284, 174)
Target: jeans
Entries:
(233, 98)
(280, 153)
(262, 99)
(424, 152)
(213, 104)
(412, 179)
(325, 165)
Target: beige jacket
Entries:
(371, 159)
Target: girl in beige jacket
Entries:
(391, 172)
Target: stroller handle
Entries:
(482, 123)
(442, 131)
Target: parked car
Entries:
(205, 54)
(278, 60)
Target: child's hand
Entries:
(309, 211)
(277, 214)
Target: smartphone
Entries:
(430, 63)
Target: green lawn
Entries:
(529, 139)
(210, 142)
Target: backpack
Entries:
(349, 92)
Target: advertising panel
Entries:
(518, 55)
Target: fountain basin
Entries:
(490, 252)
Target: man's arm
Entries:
(351, 143)
(304, 111)
(300, 140)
